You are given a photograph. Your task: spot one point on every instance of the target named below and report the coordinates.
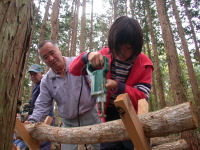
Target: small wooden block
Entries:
(131, 122)
(48, 120)
(32, 143)
(143, 107)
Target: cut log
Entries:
(162, 140)
(178, 145)
(167, 121)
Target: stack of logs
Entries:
(160, 123)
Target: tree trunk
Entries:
(15, 32)
(153, 79)
(70, 29)
(83, 23)
(75, 27)
(192, 77)
(54, 23)
(21, 87)
(125, 3)
(91, 28)
(192, 30)
(54, 20)
(156, 59)
(173, 61)
(42, 29)
(167, 121)
(131, 8)
(172, 56)
(115, 9)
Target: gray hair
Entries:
(47, 41)
(43, 43)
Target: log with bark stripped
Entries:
(163, 122)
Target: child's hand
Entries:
(111, 84)
(96, 59)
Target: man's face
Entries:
(51, 55)
(35, 77)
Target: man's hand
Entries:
(111, 84)
(96, 59)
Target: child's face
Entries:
(126, 52)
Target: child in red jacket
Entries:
(130, 71)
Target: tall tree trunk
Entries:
(27, 56)
(54, 23)
(91, 27)
(156, 59)
(153, 79)
(131, 8)
(83, 23)
(192, 30)
(75, 27)
(42, 29)
(15, 32)
(54, 20)
(192, 77)
(70, 29)
(172, 56)
(115, 9)
(125, 3)
(173, 64)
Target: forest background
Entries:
(171, 39)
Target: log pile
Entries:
(160, 123)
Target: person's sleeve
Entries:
(78, 64)
(141, 89)
(43, 104)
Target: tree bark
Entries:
(115, 9)
(178, 145)
(54, 20)
(192, 30)
(162, 140)
(193, 80)
(42, 29)
(15, 32)
(192, 77)
(160, 123)
(131, 8)
(70, 29)
(83, 23)
(75, 28)
(54, 23)
(153, 80)
(175, 73)
(156, 59)
(91, 28)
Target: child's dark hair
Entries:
(125, 30)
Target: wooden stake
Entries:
(32, 143)
(131, 122)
